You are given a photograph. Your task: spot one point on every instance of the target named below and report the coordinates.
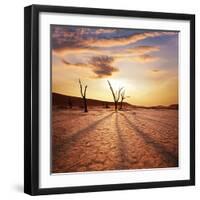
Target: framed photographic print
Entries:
(109, 100)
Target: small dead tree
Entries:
(116, 95)
(122, 99)
(83, 94)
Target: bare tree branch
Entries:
(85, 91)
(83, 94)
(81, 88)
(123, 94)
(122, 98)
(116, 94)
(119, 92)
(112, 90)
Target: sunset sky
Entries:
(144, 62)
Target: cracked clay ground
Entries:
(105, 140)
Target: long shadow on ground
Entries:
(169, 157)
(77, 135)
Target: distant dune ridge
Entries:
(66, 101)
(63, 100)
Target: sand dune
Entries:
(64, 101)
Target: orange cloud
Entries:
(142, 49)
(61, 52)
(105, 30)
(101, 66)
(108, 42)
(138, 50)
(75, 64)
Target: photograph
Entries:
(114, 98)
(109, 99)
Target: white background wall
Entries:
(11, 98)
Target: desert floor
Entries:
(105, 140)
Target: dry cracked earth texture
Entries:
(106, 140)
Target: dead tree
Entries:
(83, 94)
(122, 99)
(116, 95)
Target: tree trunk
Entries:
(83, 94)
(121, 105)
(115, 106)
(85, 105)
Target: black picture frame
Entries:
(31, 98)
